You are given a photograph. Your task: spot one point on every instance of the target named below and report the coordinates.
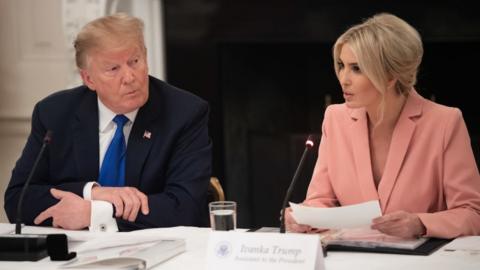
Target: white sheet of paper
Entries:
(351, 216)
(7, 228)
(118, 240)
(466, 243)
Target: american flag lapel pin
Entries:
(147, 134)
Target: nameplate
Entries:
(258, 251)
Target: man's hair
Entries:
(107, 32)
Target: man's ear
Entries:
(87, 80)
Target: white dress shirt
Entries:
(101, 217)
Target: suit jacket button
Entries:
(103, 227)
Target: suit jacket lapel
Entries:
(141, 138)
(401, 138)
(361, 151)
(85, 137)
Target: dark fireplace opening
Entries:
(273, 96)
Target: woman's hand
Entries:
(292, 226)
(401, 224)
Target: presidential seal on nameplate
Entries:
(258, 251)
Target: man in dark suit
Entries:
(159, 173)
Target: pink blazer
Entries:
(430, 168)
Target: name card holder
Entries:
(258, 251)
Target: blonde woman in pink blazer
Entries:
(388, 143)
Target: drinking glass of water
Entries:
(223, 215)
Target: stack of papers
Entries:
(350, 226)
(368, 238)
(136, 256)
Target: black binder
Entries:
(424, 249)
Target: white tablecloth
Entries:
(197, 240)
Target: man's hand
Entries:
(127, 200)
(71, 212)
(401, 224)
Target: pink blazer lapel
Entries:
(361, 151)
(401, 138)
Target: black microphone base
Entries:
(23, 247)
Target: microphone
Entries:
(46, 141)
(308, 145)
(33, 247)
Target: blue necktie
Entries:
(112, 172)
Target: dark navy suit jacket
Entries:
(172, 167)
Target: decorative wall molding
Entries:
(14, 126)
(39, 30)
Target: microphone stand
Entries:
(46, 141)
(308, 145)
(33, 247)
